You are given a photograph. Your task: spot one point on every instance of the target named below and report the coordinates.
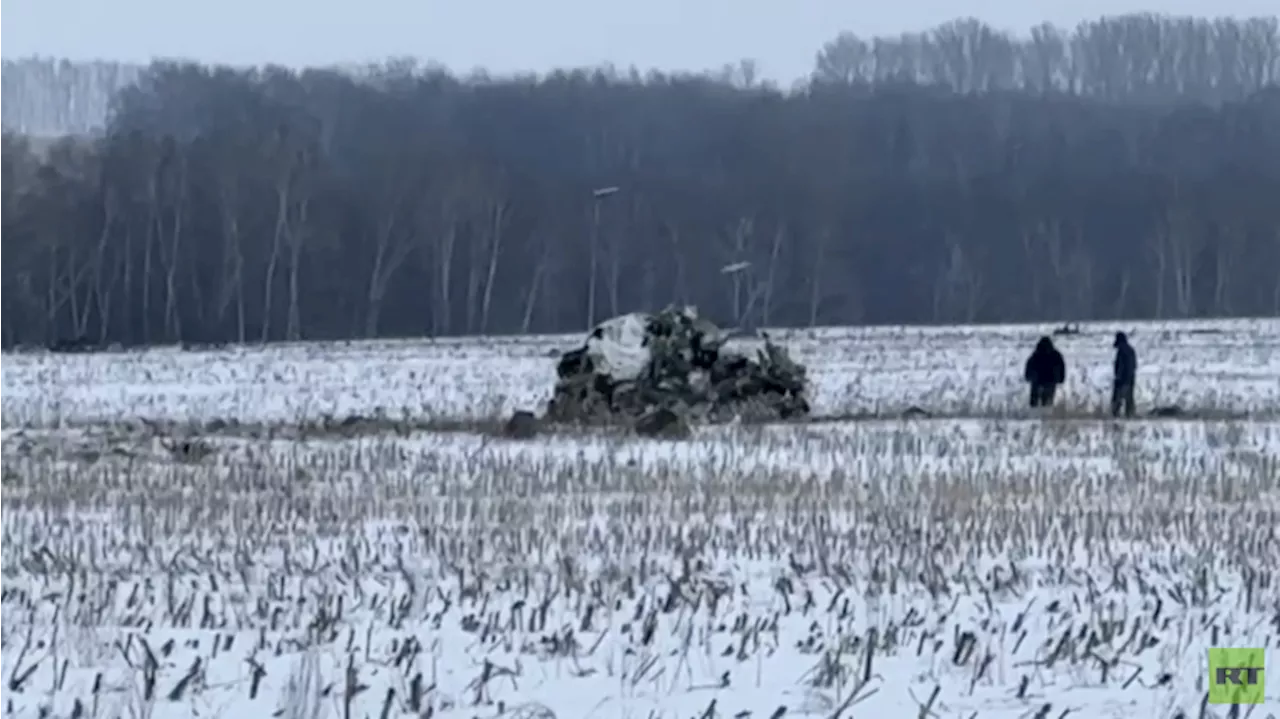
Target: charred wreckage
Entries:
(663, 372)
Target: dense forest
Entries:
(1127, 169)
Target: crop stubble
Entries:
(989, 565)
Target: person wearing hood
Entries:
(1124, 377)
(1045, 370)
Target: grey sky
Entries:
(509, 35)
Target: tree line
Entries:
(46, 97)
(1133, 58)
(1129, 170)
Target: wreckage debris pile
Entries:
(636, 366)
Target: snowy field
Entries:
(1228, 366)
(188, 534)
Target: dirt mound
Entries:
(674, 361)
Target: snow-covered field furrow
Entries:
(991, 565)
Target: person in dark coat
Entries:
(1044, 372)
(1126, 374)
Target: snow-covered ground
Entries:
(987, 564)
(975, 371)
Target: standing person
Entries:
(1126, 374)
(1045, 370)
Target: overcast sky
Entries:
(511, 35)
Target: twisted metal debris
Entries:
(674, 363)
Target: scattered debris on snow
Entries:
(914, 412)
(663, 423)
(634, 366)
(187, 449)
(522, 425)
